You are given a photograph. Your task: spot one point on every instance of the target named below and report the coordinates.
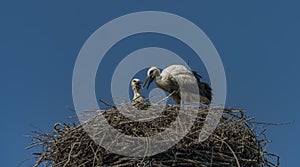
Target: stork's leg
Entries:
(176, 96)
(177, 100)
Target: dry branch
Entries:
(233, 143)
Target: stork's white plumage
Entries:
(177, 76)
(138, 100)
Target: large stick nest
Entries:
(234, 142)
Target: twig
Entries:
(107, 104)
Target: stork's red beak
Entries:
(149, 80)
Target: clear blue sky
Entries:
(258, 42)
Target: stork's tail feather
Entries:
(205, 90)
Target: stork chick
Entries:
(138, 101)
(168, 81)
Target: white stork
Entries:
(138, 101)
(169, 80)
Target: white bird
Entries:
(177, 76)
(138, 100)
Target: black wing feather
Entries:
(204, 89)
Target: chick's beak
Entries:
(138, 84)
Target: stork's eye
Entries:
(134, 80)
(151, 72)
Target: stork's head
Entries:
(136, 84)
(152, 73)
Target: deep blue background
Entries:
(258, 42)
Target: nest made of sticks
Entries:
(233, 143)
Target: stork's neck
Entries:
(161, 83)
(157, 75)
(158, 78)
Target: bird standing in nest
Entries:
(138, 101)
(169, 79)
